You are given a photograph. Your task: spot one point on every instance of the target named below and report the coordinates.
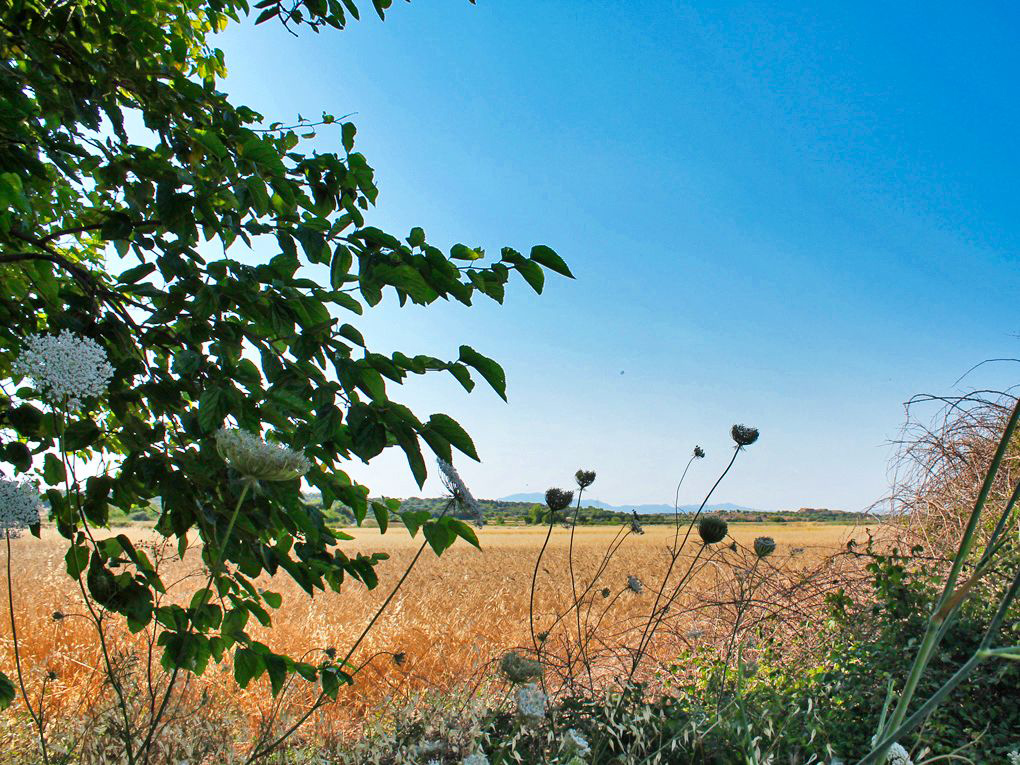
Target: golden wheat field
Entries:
(452, 620)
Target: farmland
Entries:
(452, 619)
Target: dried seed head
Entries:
(558, 499)
(744, 435)
(584, 478)
(634, 585)
(764, 546)
(57, 616)
(635, 524)
(605, 592)
(699, 453)
(519, 669)
(399, 658)
(712, 529)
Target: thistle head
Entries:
(584, 478)
(743, 435)
(558, 499)
(712, 529)
(699, 453)
(764, 546)
(259, 460)
(66, 368)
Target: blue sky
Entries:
(794, 220)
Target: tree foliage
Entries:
(138, 200)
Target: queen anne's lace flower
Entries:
(19, 505)
(461, 493)
(1013, 757)
(66, 368)
(478, 758)
(574, 743)
(897, 755)
(253, 458)
(634, 584)
(531, 702)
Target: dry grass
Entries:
(454, 617)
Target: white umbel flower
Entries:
(254, 458)
(19, 505)
(897, 755)
(478, 758)
(456, 486)
(531, 702)
(574, 743)
(1013, 757)
(66, 368)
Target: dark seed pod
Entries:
(699, 452)
(744, 435)
(712, 529)
(558, 499)
(584, 478)
(764, 546)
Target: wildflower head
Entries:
(531, 702)
(898, 755)
(764, 546)
(635, 524)
(66, 368)
(330, 652)
(558, 499)
(574, 744)
(518, 669)
(399, 658)
(58, 616)
(634, 585)
(19, 506)
(712, 529)
(605, 592)
(699, 453)
(584, 478)
(477, 758)
(542, 636)
(258, 460)
(744, 435)
(461, 493)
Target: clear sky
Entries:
(793, 219)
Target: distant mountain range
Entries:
(722, 507)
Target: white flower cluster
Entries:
(531, 702)
(19, 505)
(574, 743)
(478, 758)
(1013, 757)
(897, 755)
(66, 368)
(456, 486)
(254, 458)
(635, 584)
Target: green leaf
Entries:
(451, 430)
(487, 368)
(413, 520)
(248, 666)
(53, 470)
(382, 516)
(439, 535)
(463, 252)
(6, 691)
(548, 258)
(274, 599)
(80, 435)
(464, 531)
(77, 560)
